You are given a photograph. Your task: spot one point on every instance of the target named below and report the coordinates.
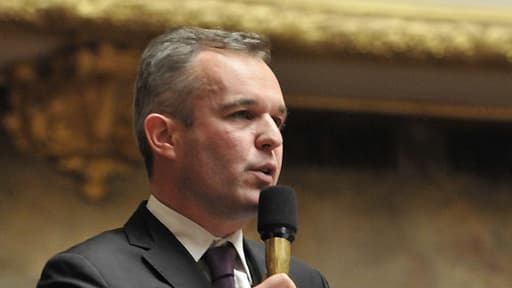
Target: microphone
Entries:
(277, 225)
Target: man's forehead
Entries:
(209, 56)
(220, 53)
(249, 83)
(215, 61)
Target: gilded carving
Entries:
(379, 29)
(75, 108)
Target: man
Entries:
(208, 113)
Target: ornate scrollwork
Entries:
(378, 29)
(75, 108)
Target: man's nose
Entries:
(269, 135)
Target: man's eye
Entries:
(279, 122)
(244, 114)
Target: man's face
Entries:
(234, 148)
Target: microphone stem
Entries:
(278, 253)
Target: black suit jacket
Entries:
(145, 254)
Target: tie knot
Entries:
(221, 262)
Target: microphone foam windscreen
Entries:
(277, 210)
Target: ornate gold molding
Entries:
(379, 29)
(75, 108)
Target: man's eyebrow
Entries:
(238, 103)
(250, 102)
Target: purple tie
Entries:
(221, 262)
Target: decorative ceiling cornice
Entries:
(375, 29)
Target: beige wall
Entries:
(362, 229)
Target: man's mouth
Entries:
(265, 173)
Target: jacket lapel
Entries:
(163, 251)
(255, 256)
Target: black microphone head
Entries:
(277, 213)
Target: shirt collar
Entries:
(191, 235)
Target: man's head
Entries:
(166, 82)
(211, 126)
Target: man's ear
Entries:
(160, 133)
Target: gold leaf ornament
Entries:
(74, 108)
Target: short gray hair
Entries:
(165, 81)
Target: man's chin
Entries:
(263, 185)
(253, 198)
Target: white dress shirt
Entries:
(197, 240)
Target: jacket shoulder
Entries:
(96, 262)
(80, 264)
(99, 243)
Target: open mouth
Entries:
(265, 173)
(267, 169)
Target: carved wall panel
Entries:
(75, 108)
